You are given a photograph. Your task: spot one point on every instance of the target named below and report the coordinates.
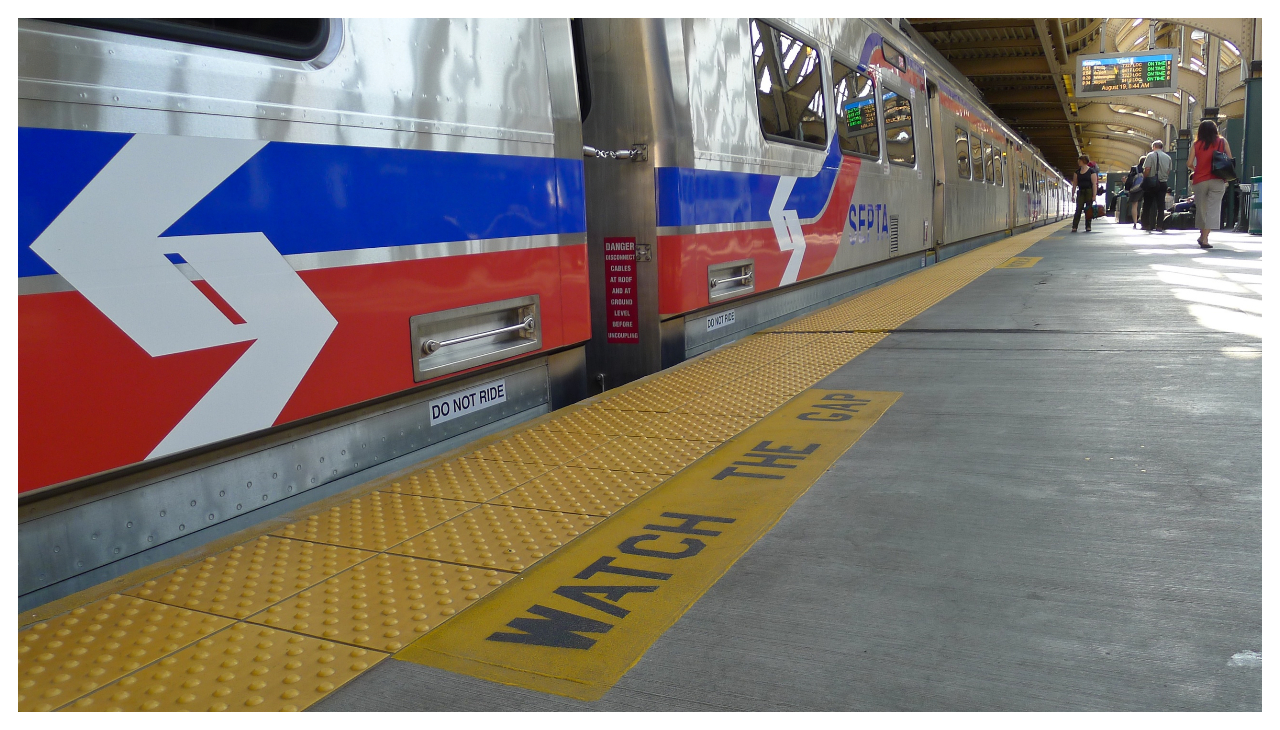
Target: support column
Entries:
(1212, 58)
(1250, 158)
(1180, 152)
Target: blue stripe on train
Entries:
(688, 197)
(310, 198)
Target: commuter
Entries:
(1155, 183)
(1133, 184)
(1085, 182)
(1208, 188)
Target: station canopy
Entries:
(1026, 70)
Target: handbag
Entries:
(1223, 167)
(1137, 183)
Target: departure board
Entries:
(860, 114)
(897, 110)
(1114, 74)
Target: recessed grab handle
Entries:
(745, 279)
(431, 346)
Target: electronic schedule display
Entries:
(1124, 74)
(860, 114)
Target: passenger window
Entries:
(976, 143)
(962, 153)
(999, 167)
(856, 111)
(899, 136)
(893, 56)
(988, 156)
(788, 87)
(297, 39)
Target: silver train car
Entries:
(784, 164)
(309, 250)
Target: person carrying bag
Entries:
(1155, 173)
(1211, 167)
(1086, 184)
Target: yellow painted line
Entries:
(576, 622)
(1020, 262)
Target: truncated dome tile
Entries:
(646, 455)
(696, 426)
(375, 521)
(383, 603)
(541, 447)
(242, 667)
(596, 419)
(74, 654)
(497, 536)
(581, 491)
(736, 402)
(247, 578)
(652, 396)
(468, 479)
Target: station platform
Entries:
(1025, 478)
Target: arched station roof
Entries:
(1024, 68)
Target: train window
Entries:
(893, 56)
(578, 37)
(989, 156)
(975, 143)
(900, 140)
(296, 39)
(788, 87)
(999, 167)
(855, 99)
(962, 153)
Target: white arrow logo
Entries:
(786, 226)
(107, 245)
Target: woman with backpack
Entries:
(1086, 182)
(1207, 186)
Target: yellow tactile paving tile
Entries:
(383, 603)
(581, 491)
(760, 348)
(469, 479)
(646, 455)
(736, 402)
(547, 448)
(780, 379)
(375, 521)
(498, 536)
(247, 578)
(595, 419)
(242, 667)
(651, 397)
(702, 375)
(791, 372)
(695, 426)
(76, 653)
(838, 351)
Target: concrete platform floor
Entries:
(1062, 512)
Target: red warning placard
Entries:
(622, 315)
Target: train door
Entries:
(910, 157)
(939, 166)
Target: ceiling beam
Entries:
(1021, 96)
(942, 25)
(1043, 31)
(1030, 44)
(1011, 66)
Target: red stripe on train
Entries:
(684, 258)
(85, 410)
